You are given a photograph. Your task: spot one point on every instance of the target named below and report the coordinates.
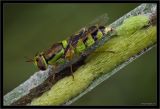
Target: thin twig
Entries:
(59, 93)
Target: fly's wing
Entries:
(101, 21)
(93, 26)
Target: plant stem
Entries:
(132, 40)
(129, 44)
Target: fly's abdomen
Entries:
(95, 33)
(90, 41)
(88, 38)
(80, 47)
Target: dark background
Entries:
(30, 28)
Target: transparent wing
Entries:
(101, 20)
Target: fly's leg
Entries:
(71, 71)
(49, 83)
(69, 56)
(54, 68)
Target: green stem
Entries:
(131, 39)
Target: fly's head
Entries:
(40, 62)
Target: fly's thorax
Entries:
(40, 62)
(56, 56)
(56, 52)
(61, 61)
(64, 43)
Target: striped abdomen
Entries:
(85, 39)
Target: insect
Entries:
(65, 50)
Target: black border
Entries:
(78, 1)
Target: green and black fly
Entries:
(76, 45)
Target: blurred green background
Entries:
(29, 28)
